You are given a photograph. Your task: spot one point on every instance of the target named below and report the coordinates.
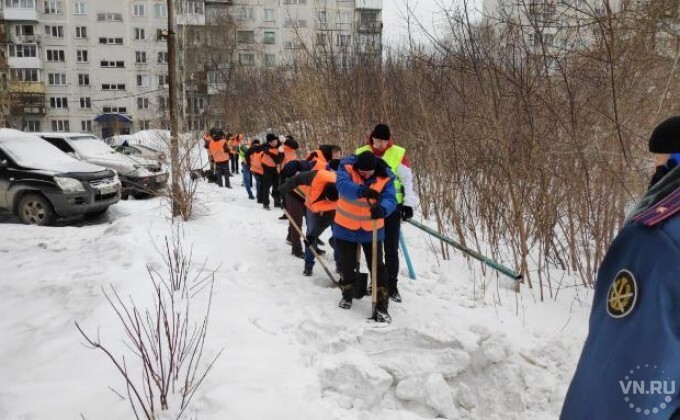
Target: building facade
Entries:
(100, 66)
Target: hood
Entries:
(62, 167)
(115, 161)
(145, 162)
(379, 153)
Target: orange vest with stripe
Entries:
(356, 214)
(217, 151)
(288, 155)
(268, 161)
(256, 163)
(314, 201)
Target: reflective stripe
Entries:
(352, 215)
(359, 203)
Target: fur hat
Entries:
(366, 162)
(381, 132)
(271, 137)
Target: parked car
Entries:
(140, 177)
(40, 183)
(138, 150)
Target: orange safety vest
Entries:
(268, 161)
(320, 161)
(233, 146)
(289, 155)
(356, 214)
(256, 163)
(313, 199)
(217, 151)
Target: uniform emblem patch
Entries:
(622, 294)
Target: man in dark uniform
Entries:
(630, 363)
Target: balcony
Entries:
(190, 19)
(12, 13)
(25, 62)
(370, 27)
(27, 103)
(368, 4)
(26, 39)
(27, 87)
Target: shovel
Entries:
(360, 279)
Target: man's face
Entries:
(379, 144)
(366, 174)
(272, 143)
(336, 154)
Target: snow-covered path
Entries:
(453, 350)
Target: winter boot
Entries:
(319, 251)
(283, 217)
(345, 303)
(307, 272)
(298, 253)
(394, 294)
(380, 314)
(266, 207)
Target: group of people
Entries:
(361, 196)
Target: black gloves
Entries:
(371, 194)
(377, 212)
(406, 213)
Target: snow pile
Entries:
(461, 345)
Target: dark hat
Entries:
(366, 162)
(271, 137)
(666, 136)
(326, 151)
(381, 132)
(216, 132)
(330, 192)
(290, 142)
(256, 141)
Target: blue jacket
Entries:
(631, 357)
(352, 191)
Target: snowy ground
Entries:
(460, 346)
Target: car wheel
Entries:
(34, 209)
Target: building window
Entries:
(52, 7)
(81, 32)
(113, 86)
(140, 57)
(116, 109)
(109, 17)
(192, 7)
(163, 57)
(270, 60)
(111, 41)
(85, 103)
(269, 38)
(32, 126)
(162, 103)
(140, 34)
(81, 56)
(55, 55)
(56, 79)
(53, 31)
(322, 39)
(322, 16)
(344, 40)
(269, 15)
(83, 79)
(160, 10)
(195, 105)
(246, 37)
(24, 30)
(20, 4)
(57, 103)
(246, 14)
(24, 75)
(23, 51)
(163, 80)
(145, 124)
(79, 8)
(142, 103)
(246, 59)
(143, 80)
(60, 125)
(138, 10)
(112, 64)
(86, 126)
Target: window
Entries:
(163, 57)
(270, 60)
(24, 30)
(162, 103)
(140, 34)
(138, 10)
(85, 103)
(246, 59)
(111, 41)
(192, 7)
(79, 8)
(322, 16)
(81, 56)
(140, 57)
(142, 103)
(269, 15)
(56, 79)
(23, 51)
(24, 75)
(20, 4)
(322, 39)
(117, 109)
(86, 126)
(83, 79)
(109, 17)
(60, 125)
(54, 31)
(163, 80)
(57, 103)
(344, 40)
(55, 55)
(269, 38)
(143, 80)
(294, 1)
(195, 105)
(246, 13)
(32, 126)
(113, 64)
(52, 7)
(113, 86)
(81, 32)
(160, 10)
(145, 124)
(246, 37)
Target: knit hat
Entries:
(666, 136)
(330, 192)
(271, 137)
(290, 142)
(366, 162)
(381, 132)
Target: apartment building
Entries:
(101, 66)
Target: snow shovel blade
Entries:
(360, 285)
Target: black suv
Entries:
(40, 183)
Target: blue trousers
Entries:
(317, 223)
(247, 179)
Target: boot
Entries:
(298, 253)
(266, 207)
(307, 272)
(380, 314)
(283, 217)
(345, 303)
(394, 294)
(319, 251)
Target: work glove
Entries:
(406, 213)
(377, 212)
(371, 194)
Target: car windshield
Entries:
(34, 152)
(88, 146)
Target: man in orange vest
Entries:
(220, 154)
(271, 166)
(253, 160)
(233, 152)
(367, 195)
